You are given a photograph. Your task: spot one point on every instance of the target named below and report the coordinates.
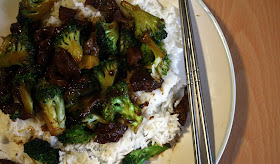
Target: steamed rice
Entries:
(161, 128)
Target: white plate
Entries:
(217, 75)
(218, 82)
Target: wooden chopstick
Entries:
(194, 87)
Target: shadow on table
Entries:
(241, 109)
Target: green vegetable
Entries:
(15, 115)
(106, 73)
(127, 39)
(107, 37)
(26, 82)
(41, 151)
(92, 119)
(146, 23)
(35, 9)
(118, 102)
(70, 40)
(52, 103)
(140, 155)
(16, 50)
(148, 55)
(76, 134)
(161, 62)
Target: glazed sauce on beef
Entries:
(141, 80)
(111, 132)
(183, 109)
(5, 161)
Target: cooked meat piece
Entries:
(5, 161)
(6, 76)
(74, 89)
(143, 81)
(55, 78)
(82, 86)
(91, 46)
(134, 54)
(106, 7)
(45, 33)
(44, 39)
(13, 107)
(111, 132)
(183, 109)
(15, 28)
(118, 16)
(66, 65)
(102, 5)
(66, 14)
(95, 103)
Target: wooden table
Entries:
(252, 30)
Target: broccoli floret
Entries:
(92, 119)
(41, 151)
(106, 74)
(140, 155)
(160, 63)
(148, 55)
(76, 134)
(70, 40)
(52, 103)
(127, 39)
(146, 23)
(35, 9)
(15, 115)
(107, 37)
(118, 101)
(26, 82)
(16, 50)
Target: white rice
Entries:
(158, 125)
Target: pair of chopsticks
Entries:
(199, 124)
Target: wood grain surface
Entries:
(252, 30)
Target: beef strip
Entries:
(13, 107)
(111, 132)
(6, 77)
(62, 68)
(55, 78)
(102, 5)
(134, 55)
(95, 103)
(66, 14)
(79, 87)
(143, 81)
(106, 7)
(15, 28)
(74, 90)
(44, 39)
(66, 64)
(118, 16)
(6, 86)
(5, 161)
(91, 46)
(183, 109)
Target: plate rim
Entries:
(233, 81)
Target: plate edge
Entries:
(229, 127)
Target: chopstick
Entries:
(194, 88)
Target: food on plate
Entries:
(86, 81)
(41, 151)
